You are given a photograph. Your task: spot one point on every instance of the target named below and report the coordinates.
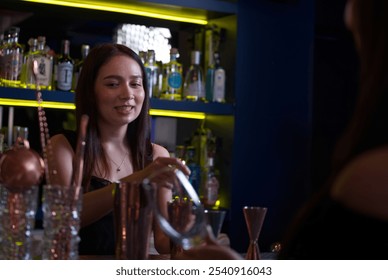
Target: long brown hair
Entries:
(368, 127)
(138, 132)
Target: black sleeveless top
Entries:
(97, 238)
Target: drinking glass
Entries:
(184, 224)
(17, 220)
(61, 222)
(215, 218)
(254, 218)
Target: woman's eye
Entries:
(112, 84)
(136, 84)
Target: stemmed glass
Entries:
(254, 218)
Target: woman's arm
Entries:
(95, 204)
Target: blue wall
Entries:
(271, 156)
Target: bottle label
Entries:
(219, 86)
(44, 71)
(13, 66)
(195, 89)
(64, 77)
(174, 80)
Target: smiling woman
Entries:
(119, 91)
(111, 91)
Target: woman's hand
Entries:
(155, 168)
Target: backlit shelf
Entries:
(65, 100)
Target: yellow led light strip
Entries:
(70, 106)
(117, 8)
(178, 114)
(34, 103)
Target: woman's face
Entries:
(119, 91)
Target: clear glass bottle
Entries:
(219, 80)
(64, 68)
(45, 66)
(172, 78)
(2, 51)
(211, 187)
(78, 66)
(152, 71)
(27, 63)
(194, 86)
(143, 56)
(12, 59)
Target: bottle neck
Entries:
(65, 49)
(41, 46)
(173, 57)
(84, 52)
(14, 39)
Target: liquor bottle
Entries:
(152, 71)
(64, 68)
(209, 82)
(210, 192)
(194, 86)
(195, 175)
(12, 59)
(200, 142)
(143, 56)
(172, 77)
(219, 80)
(2, 52)
(45, 66)
(78, 66)
(27, 63)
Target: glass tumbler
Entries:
(17, 220)
(61, 222)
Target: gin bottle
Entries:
(45, 66)
(78, 66)
(219, 80)
(2, 48)
(64, 68)
(209, 82)
(143, 56)
(172, 78)
(194, 86)
(210, 192)
(12, 59)
(152, 71)
(27, 63)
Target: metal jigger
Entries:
(254, 218)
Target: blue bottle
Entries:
(195, 175)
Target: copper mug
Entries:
(132, 221)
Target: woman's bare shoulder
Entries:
(363, 184)
(60, 142)
(160, 151)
